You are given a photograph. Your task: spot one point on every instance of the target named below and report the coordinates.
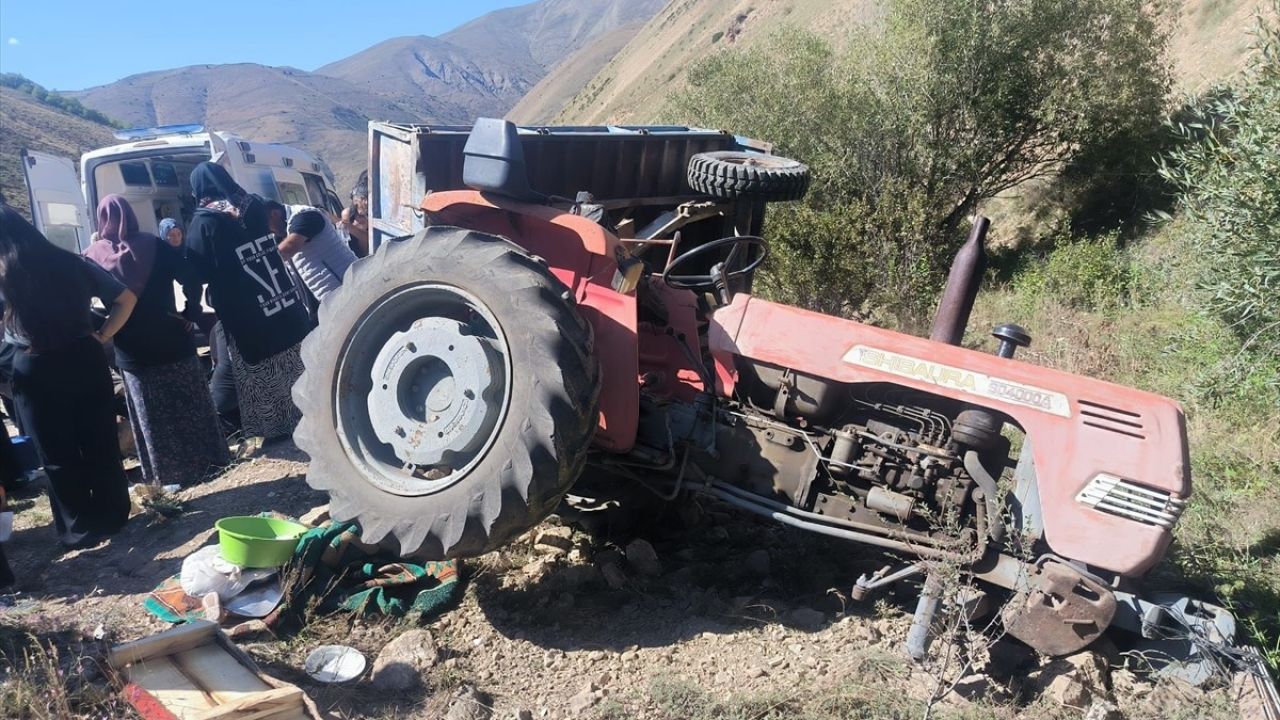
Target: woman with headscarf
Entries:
(174, 423)
(261, 310)
(61, 384)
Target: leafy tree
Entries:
(1230, 191)
(53, 99)
(937, 107)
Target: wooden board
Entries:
(194, 672)
(171, 687)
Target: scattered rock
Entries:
(630, 656)
(757, 563)
(806, 618)
(212, 607)
(614, 577)
(469, 704)
(1076, 681)
(973, 687)
(868, 634)
(584, 700)
(251, 631)
(554, 541)
(643, 557)
(595, 656)
(403, 661)
(523, 714)
(315, 516)
(537, 568)
(1103, 710)
(756, 672)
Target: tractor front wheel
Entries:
(450, 394)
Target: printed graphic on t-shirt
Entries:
(278, 290)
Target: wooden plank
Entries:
(172, 689)
(259, 706)
(168, 642)
(216, 672)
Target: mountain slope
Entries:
(633, 86)
(481, 68)
(1209, 42)
(554, 91)
(26, 124)
(324, 115)
(485, 66)
(549, 31)
(418, 72)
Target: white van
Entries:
(152, 170)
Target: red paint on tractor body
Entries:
(1108, 428)
(1079, 427)
(581, 254)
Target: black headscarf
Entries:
(211, 182)
(216, 191)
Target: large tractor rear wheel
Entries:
(450, 394)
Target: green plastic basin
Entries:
(258, 542)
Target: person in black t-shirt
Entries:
(61, 384)
(231, 248)
(174, 423)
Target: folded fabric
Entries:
(332, 570)
(169, 602)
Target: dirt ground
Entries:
(729, 617)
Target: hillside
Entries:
(633, 86)
(27, 124)
(1208, 44)
(485, 66)
(481, 68)
(541, 104)
(325, 115)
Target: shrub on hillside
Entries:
(942, 104)
(1230, 192)
(1087, 273)
(53, 99)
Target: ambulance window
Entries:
(292, 193)
(315, 190)
(259, 181)
(164, 174)
(135, 173)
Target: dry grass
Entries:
(55, 675)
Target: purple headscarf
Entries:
(121, 249)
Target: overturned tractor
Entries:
(579, 300)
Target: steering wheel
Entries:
(732, 266)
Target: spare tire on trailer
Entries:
(731, 174)
(450, 394)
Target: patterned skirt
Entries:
(266, 406)
(174, 423)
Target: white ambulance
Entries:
(151, 169)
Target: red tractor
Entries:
(465, 376)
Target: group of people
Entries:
(245, 252)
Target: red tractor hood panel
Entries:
(1129, 443)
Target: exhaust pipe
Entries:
(962, 286)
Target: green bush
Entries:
(1084, 273)
(1230, 193)
(53, 99)
(940, 105)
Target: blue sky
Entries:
(75, 44)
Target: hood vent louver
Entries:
(1127, 499)
(1113, 419)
